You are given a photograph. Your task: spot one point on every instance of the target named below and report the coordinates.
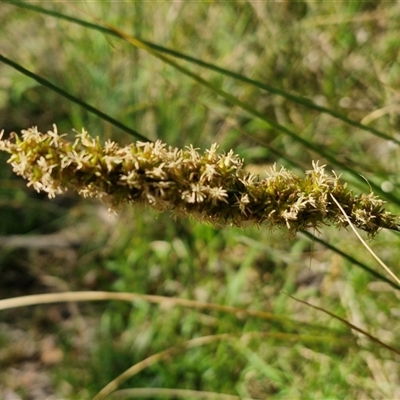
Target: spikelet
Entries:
(211, 186)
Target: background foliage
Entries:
(340, 55)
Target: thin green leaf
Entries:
(72, 98)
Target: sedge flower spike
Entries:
(211, 186)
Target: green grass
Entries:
(343, 57)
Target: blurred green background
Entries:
(343, 56)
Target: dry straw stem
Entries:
(210, 186)
(50, 298)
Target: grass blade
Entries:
(72, 98)
(49, 298)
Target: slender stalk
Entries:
(72, 98)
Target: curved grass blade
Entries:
(49, 298)
(202, 341)
(83, 296)
(72, 98)
(263, 86)
(349, 324)
(351, 260)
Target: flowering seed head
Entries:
(210, 186)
